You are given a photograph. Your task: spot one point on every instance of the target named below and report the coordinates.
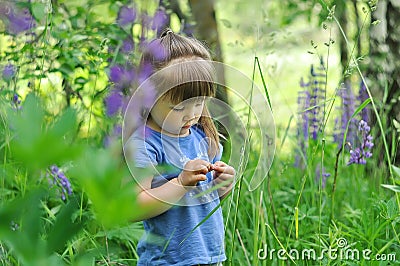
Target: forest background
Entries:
(329, 71)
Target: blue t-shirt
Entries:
(169, 237)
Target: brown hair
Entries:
(192, 70)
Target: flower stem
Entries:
(335, 179)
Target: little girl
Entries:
(180, 134)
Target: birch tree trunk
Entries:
(384, 67)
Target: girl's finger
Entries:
(225, 177)
(204, 169)
(220, 163)
(219, 168)
(200, 177)
(226, 170)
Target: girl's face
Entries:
(176, 119)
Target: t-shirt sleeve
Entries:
(140, 153)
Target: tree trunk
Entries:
(384, 68)
(341, 14)
(206, 30)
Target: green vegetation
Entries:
(66, 193)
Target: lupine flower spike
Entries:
(17, 20)
(360, 154)
(16, 102)
(126, 15)
(8, 72)
(60, 180)
(318, 176)
(113, 103)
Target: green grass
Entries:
(290, 211)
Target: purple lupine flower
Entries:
(303, 102)
(17, 20)
(116, 73)
(61, 181)
(188, 29)
(137, 108)
(336, 132)
(309, 102)
(145, 21)
(114, 102)
(128, 45)
(318, 175)
(16, 99)
(143, 100)
(317, 96)
(20, 21)
(155, 49)
(126, 15)
(9, 72)
(123, 77)
(116, 132)
(346, 110)
(145, 72)
(159, 20)
(149, 95)
(356, 157)
(318, 73)
(360, 154)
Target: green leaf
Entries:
(64, 228)
(392, 208)
(396, 125)
(20, 225)
(38, 10)
(81, 80)
(133, 231)
(396, 170)
(356, 112)
(78, 37)
(38, 145)
(100, 174)
(65, 69)
(263, 82)
(64, 124)
(392, 187)
(28, 122)
(226, 23)
(361, 107)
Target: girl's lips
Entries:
(186, 127)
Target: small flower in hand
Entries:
(194, 171)
(225, 174)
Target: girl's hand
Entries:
(223, 173)
(193, 172)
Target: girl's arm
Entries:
(155, 201)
